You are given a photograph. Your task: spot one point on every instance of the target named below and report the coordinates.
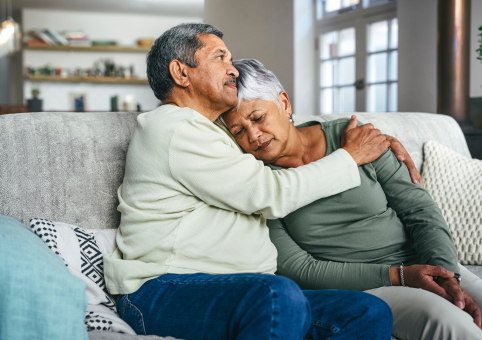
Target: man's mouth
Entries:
(231, 83)
(264, 145)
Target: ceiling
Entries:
(192, 8)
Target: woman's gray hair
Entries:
(180, 42)
(255, 81)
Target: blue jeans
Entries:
(251, 306)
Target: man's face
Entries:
(214, 79)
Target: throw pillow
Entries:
(39, 298)
(455, 183)
(82, 252)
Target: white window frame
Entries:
(360, 19)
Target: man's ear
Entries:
(285, 103)
(179, 72)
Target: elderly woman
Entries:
(386, 237)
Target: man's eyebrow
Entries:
(219, 50)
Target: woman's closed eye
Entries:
(259, 118)
(238, 132)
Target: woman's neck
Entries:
(305, 145)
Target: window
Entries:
(382, 75)
(357, 56)
(337, 71)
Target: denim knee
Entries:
(286, 300)
(375, 311)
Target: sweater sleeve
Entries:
(421, 216)
(310, 273)
(210, 167)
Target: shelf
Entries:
(124, 49)
(87, 80)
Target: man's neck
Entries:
(204, 107)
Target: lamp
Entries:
(10, 34)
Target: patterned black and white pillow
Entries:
(84, 258)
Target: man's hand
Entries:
(421, 276)
(403, 156)
(461, 298)
(363, 143)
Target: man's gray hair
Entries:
(255, 81)
(180, 42)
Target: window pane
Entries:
(377, 67)
(328, 45)
(347, 99)
(347, 42)
(348, 3)
(319, 10)
(377, 98)
(326, 73)
(378, 36)
(333, 5)
(326, 103)
(394, 34)
(393, 73)
(346, 71)
(393, 100)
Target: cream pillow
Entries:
(455, 183)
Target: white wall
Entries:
(475, 65)
(304, 58)
(417, 55)
(124, 28)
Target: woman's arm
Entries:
(310, 273)
(421, 216)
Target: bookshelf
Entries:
(108, 80)
(120, 49)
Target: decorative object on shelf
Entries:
(104, 43)
(34, 104)
(78, 102)
(10, 33)
(129, 103)
(114, 103)
(145, 42)
(103, 68)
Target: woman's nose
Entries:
(253, 135)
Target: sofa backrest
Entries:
(67, 167)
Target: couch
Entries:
(67, 166)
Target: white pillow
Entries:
(82, 251)
(455, 183)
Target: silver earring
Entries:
(291, 118)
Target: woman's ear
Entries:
(285, 103)
(179, 73)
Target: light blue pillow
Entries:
(39, 298)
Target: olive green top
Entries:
(349, 240)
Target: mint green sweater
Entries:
(349, 240)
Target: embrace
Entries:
(236, 224)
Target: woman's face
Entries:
(261, 128)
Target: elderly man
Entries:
(194, 258)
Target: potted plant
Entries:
(34, 104)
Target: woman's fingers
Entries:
(403, 156)
(475, 312)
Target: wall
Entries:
(125, 28)
(305, 85)
(260, 30)
(417, 63)
(4, 76)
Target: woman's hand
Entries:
(421, 276)
(403, 156)
(461, 298)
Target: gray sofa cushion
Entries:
(67, 166)
(63, 166)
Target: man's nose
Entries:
(232, 71)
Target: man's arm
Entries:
(210, 166)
